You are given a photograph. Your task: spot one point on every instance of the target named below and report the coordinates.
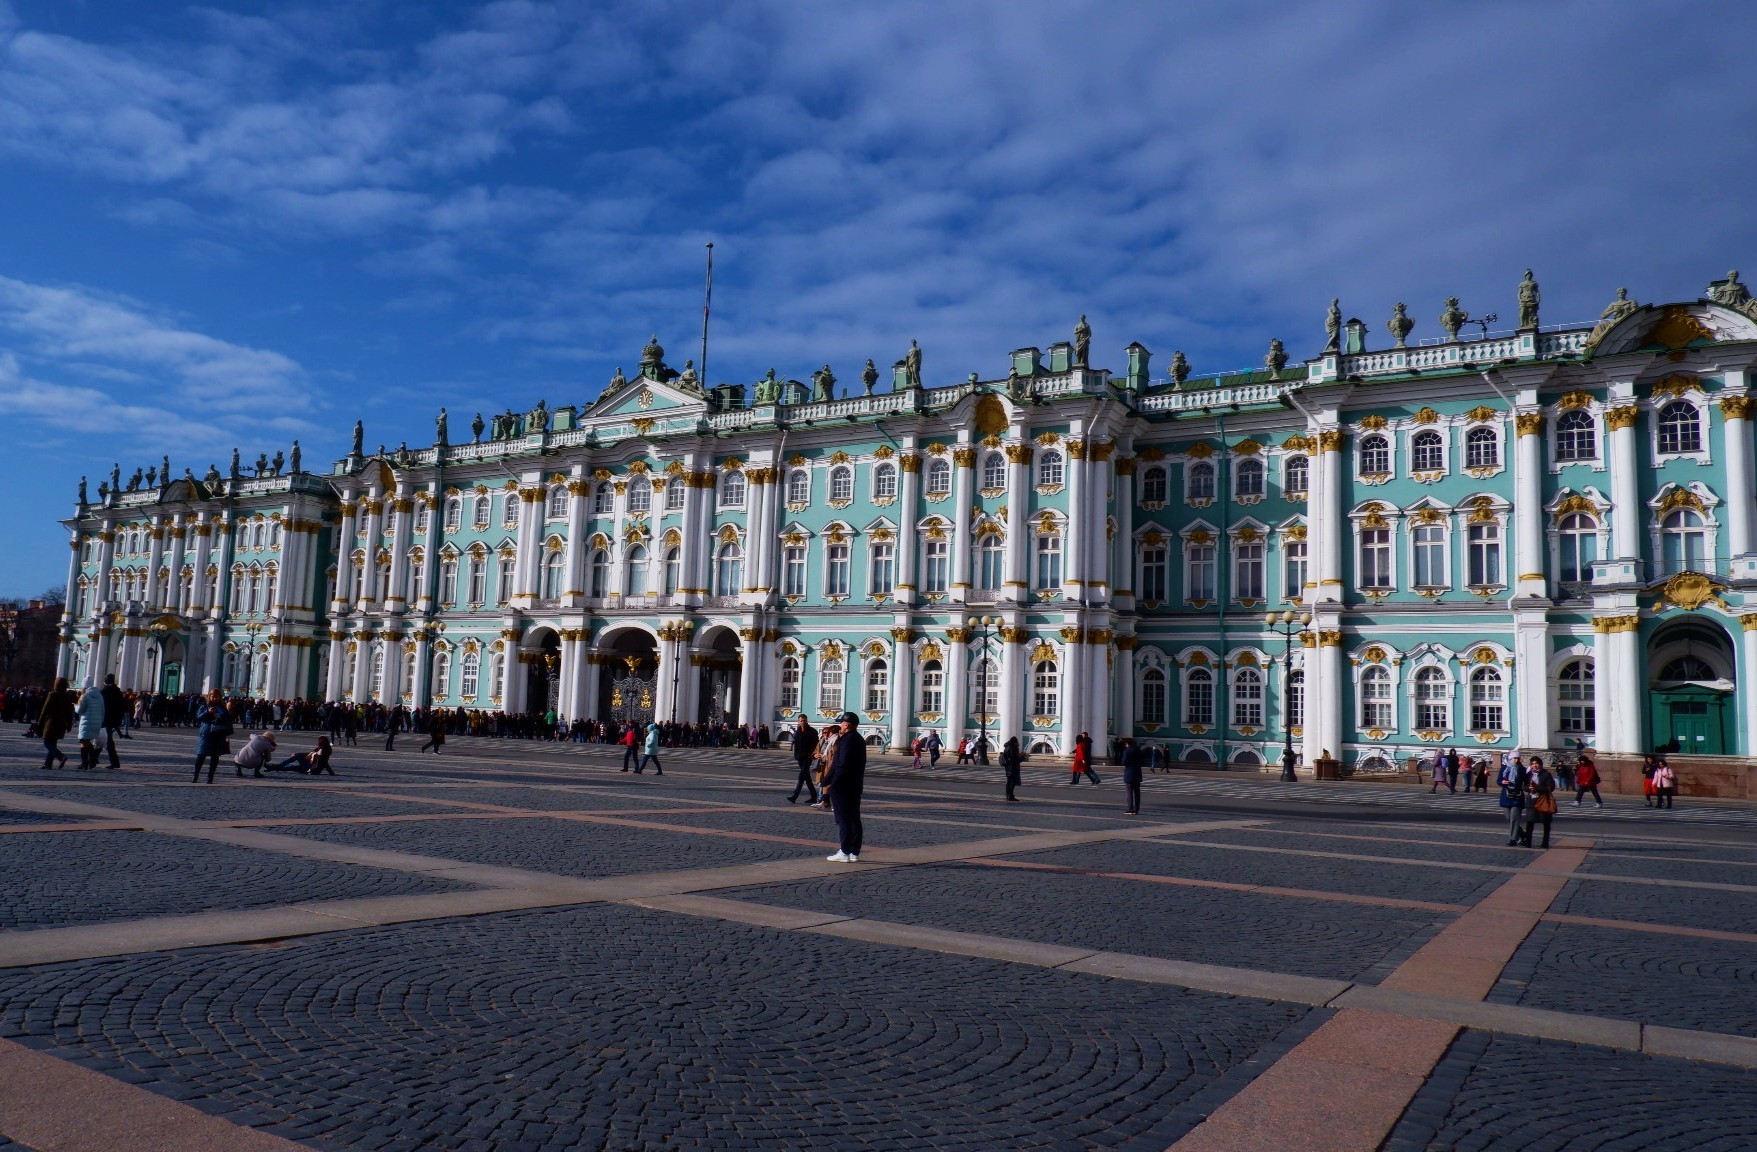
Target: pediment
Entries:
(645, 395)
(1669, 327)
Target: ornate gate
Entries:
(631, 695)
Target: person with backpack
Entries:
(115, 719)
(934, 746)
(90, 710)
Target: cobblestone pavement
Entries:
(684, 970)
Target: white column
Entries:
(344, 559)
(1325, 721)
(1121, 574)
(579, 490)
(370, 592)
(963, 475)
(1747, 682)
(106, 558)
(1329, 518)
(512, 679)
(155, 559)
(1531, 648)
(1740, 508)
(396, 598)
(363, 665)
(1095, 655)
(178, 534)
(336, 670)
(1012, 690)
(422, 688)
(902, 684)
(1123, 681)
(1629, 713)
(908, 540)
(1604, 689)
(673, 653)
(1074, 542)
(527, 565)
(696, 545)
(392, 693)
(1626, 535)
(1098, 540)
(760, 540)
(591, 672)
(203, 529)
(749, 680)
(1528, 508)
(1074, 686)
(957, 667)
(210, 656)
(1017, 585)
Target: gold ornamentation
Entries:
(1676, 327)
(903, 635)
(1690, 591)
(1248, 535)
(1749, 622)
(1373, 422)
(1676, 385)
(1330, 440)
(1529, 423)
(1199, 451)
(1294, 532)
(1426, 415)
(1676, 498)
(642, 425)
(1575, 503)
(966, 457)
(911, 462)
(1077, 449)
(1150, 455)
(1374, 655)
(958, 635)
(1101, 452)
(1246, 448)
(1613, 624)
(1427, 516)
(1623, 417)
(1330, 639)
(1016, 454)
(1012, 635)
(1125, 465)
(1574, 399)
(1297, 443)
(1042, 650)
(1735, 407)
(839, 457)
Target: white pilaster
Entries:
(1531, 649)
(1528, 507)
(1741, 509)
(908, 540)
(1626, 507)
(963, 496)
(1017, 584)
(957, 667)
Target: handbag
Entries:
(1545, 804)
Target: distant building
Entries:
(1521, 540)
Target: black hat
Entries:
(848, 718)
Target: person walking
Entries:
(90, 710)
(392, 721)
(1586, 780)
(213, 726)
(435, 735)
(916, 751)
(963, 750)
(1665, 783)
(1482, 774)
(1133, 757)
(1439, 773)
(1453, 761)
(844, 783)
(53, 721)
(1011, 759)
(1540, 789)
(650, 751)
(1648, 764)
(804, 753)
(934, 747)
(1082, 764)
(1512, 782)
(115, 719)
(631, 742)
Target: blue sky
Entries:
(241, 223)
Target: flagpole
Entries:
(707, 302)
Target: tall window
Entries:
(990, 562)
(1247, 478)
(423, 515)
(1680, 428)
(884, 569)
(1247, 698)
(637, 571)
(1428, 545)
(1482, 448)
(1247, 570)
(799, 486)
(483, 509)
(1201, 481)
(1575, 714)
(1293, 565)
(558, 502)
(1684, 541)
(640, 495)
(253, 598)
(728, 569)
(790, 677)
(1049, 561)
(985, 681)
(1485, 555)
(994, 471)
(600, 566)
(673, 570)
(511, 516)
(604, 499)
(1199, 571)
(417, 569)
(503, 586)
(732, 489)
(1154, 572)
(1375, 558)
(1153, 487)
(1296, 700)
(454, 513)
(1199, 697)
(1049, 467)
(470, 678)
(1577, 540)
(939, 476)
(1377, 710)
(884, 482)
(878, 686)
(1296, 477)
(1488, 701)
(441, 681)
(1045, 689)
(829, 685)
(836, 570)
(1433, 699)
(1427, 451)
(1375, 456)
(448, 579)
(793, 570)
(1153, 696)
(842, 483)
(496, 674)
(674, 491)
(1576, 436)
(478, 579)
(933, 687)
(936, 563)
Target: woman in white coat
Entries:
(90, 711)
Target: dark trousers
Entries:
(1580, 793)
(1537, 818)
(1515, 818)
(848, 827)
(110, 747)
(654, 757)
(631, 756)
(1134, 797)
(1090, 775)
(213, 763)
(53, 752)
(390, 741)
(806, 782)
(433, 742)
(1012, 782)
(1662, 798)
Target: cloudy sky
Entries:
(248, 222)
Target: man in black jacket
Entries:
(844, 782)
(115, 712)
(804, 749)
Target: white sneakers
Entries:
(842, 858)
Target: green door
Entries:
(1690, 726)
(1691, 719)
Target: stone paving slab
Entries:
(905, 830)
(247, 799)
(1610, 851)
(627, 1028)
(64, 878)
(1231, 929)
(1400, 847)
(1659, 904)
(547, 799)
(1687, 871)
(12, 816)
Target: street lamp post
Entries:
(1288, 625)
(251, 631)
(8, 639)
(984, 626)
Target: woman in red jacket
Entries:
(1586, 780)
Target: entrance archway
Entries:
(1692, 682)
(720, 660)
(542, 654)
(626, 689)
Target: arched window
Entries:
(417, 567)
(1433, 699)
(1155, 572)
(600, 566)
(842, 484)
(1482, 448)
(448, 578)
(728, 569)
(1485, 555)
(503, 585)
(1247, 698)
(1198, 697)
(378, 671)
(1488, 701)
(1575, 714)
(883, 572)
(1049, 467)
(358, 577)
(604, 499)
(640, 494)
(496, 674)
(1295, 477)
(483, 510)
(554, 571)
(1680, 428)
(1296, 700)
(790, 678)
(836, 570)
(985, 688)
(936, 564)
(991, 551)
(441, 680)
(270, 576)
(1153, 486)
(1201, 481)
(673, 571)
(558, 502)
(799, 486)
(253, 598)
(1377, 709)
(511, 517)
(1684, 541)
(423, 516)
(1153, 696)
(674, 491)
(994, 471)
(933, 688)
(1576, 436)
(939, 476)
(878, 686)
(1045, 689)
(1427, 451)
(732, 489)
(1049, 560)
(1375, 456)
(454, 513)
(1198, 570)
(1577, 542)
(884, 482)
(1247, 478)
(636, 574)
(829, 686)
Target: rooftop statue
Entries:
(476, 427)
(262, 463)
(869, 376)
(1333, 325)
(439, 429)
(616, 381)
(152, 477)
(1276, 360)
(652, 355)
(1528, 300)
(293, 461)
(823, 384)
(213, 474)
(768, 389)
(1082, 341)
(1730, 291)
(1017, 387)
(912, 366)
(277, 463)
(82, 499)
(359, 438)
(115, 477)
(1179, 369)
(1400, 324)
(687, 376)
(164, 469)
(235, 468)
(103, 490)
(538, 419)
(1453, 318)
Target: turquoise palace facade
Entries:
(1518, 540)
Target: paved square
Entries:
(518, 946)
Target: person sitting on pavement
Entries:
(312, 763)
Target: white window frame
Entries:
(1595, 426)
(1704, 430)
(1289, 464)
(1376, 697)
(1442, 448)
